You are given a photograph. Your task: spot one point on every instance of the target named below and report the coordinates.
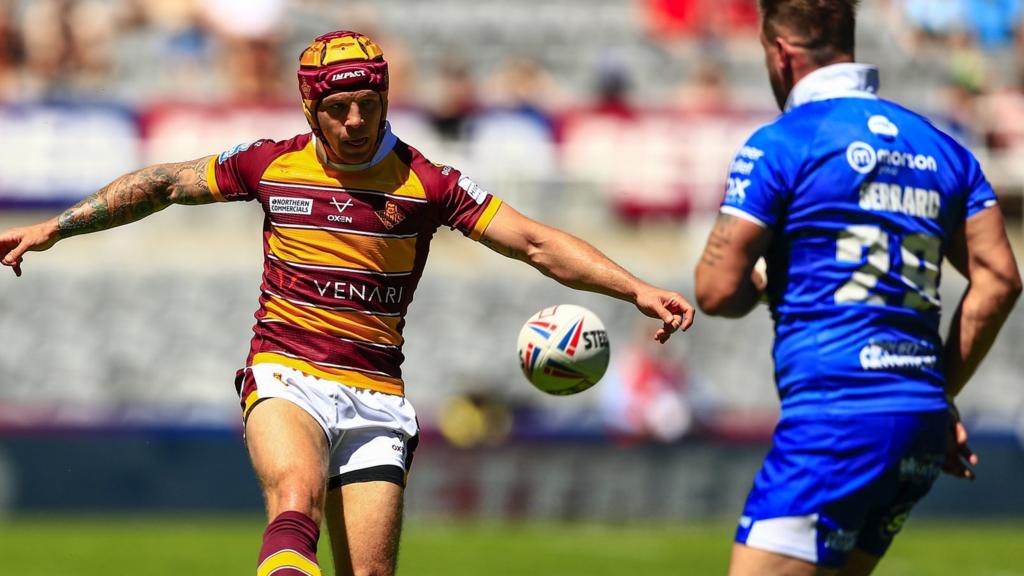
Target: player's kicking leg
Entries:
(309, 437)
(365, 522)
(368, 468)
(289, 453)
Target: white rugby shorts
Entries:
(367, 431)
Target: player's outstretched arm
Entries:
(981, 252)
(127, 199)
(577, 264)
(725, 280)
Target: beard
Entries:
(782, 84)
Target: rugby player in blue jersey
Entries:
(854, 202)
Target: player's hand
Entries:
(675, 312)
(16, 241)
(960, 459)
(759, 278)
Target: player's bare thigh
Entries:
(859, 563)
(747, 561)
(289, 454)
(364, 520)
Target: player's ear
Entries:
(783, 52)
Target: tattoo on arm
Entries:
(500, 249)
(137, 195)
(719, 240)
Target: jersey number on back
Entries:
(919, 272)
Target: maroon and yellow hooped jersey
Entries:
(344, 251)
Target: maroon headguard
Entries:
(341, 61)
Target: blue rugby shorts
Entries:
(832, 484)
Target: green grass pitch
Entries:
(170, 546)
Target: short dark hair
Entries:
(825, 28)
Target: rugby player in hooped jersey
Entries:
(854, 202)
(350, 210)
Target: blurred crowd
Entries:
(959, 61)
(980, 46)
(140, 50)
(230, 50)
(637, 66)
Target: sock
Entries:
(289, 546)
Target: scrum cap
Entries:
(340, 61)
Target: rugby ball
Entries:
(563, 349)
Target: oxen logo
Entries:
(861, 157)
(390, 216)
(341, 206)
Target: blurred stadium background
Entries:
(615, 119)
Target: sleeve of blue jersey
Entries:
(980, 194)
(756, 186)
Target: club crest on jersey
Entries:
(390, 216)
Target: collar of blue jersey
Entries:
(386, 144)
(845, 80)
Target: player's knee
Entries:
(306, 497)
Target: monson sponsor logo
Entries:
(863, 158)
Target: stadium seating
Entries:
(164, 343)
(177, 319)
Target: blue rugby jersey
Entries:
(862, 197)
